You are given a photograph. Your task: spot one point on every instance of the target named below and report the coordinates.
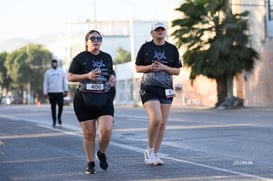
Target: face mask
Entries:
(54, 65)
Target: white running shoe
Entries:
(149, 157)
(158, 161)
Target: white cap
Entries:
(158, 25)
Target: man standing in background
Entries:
(55, 87)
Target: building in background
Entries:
(258, 87)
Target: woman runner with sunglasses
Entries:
(93, 69)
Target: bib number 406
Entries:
(95, 86)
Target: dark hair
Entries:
(89, 33)
(54, 60)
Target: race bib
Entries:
(169, 93)
(95, 87)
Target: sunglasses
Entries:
(95, 38)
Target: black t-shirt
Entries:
(166, 54)
(85, 62)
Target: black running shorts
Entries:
(154, 93)
(84, 114)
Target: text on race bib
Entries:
(95, 87)
(169, 93)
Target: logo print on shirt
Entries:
(158, 55)
(98, 64)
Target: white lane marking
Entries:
(183, 127)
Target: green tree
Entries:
(4, 79)
(215, 42)
(26, 67)
(122, 56)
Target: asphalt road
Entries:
(200, 144)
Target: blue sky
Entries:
(33, 18)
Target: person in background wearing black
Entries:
(93, 69)
(55, 88)
(158, 60)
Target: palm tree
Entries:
(215, 42)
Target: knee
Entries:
(157, 122)
(162, 126)
(105, 131)
(89, 135)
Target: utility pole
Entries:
(229, 75)
(95, 14)
(29, 81)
